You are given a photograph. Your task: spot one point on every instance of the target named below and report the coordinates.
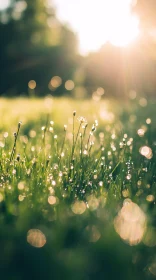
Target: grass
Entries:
(77, 189)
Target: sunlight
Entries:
(108, 21)
(100, 21)
(4, 4)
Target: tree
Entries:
(33, 45)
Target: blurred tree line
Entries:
(34, 45)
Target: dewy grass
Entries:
(14, 146)
(77, 193)
(87, 164)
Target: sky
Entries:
(99, 21)
(4, 4)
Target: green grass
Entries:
(77, 189)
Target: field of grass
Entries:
(77, 189)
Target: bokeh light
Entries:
(32, 84)
(69, 85)
(79, 207)
(130, 223)
(146, 152)
(52, 200)
(93, 202)
(55, 82)
(36, 238)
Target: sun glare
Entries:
(107, 21)
(97, 22)
(100, 21)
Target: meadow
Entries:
(77, 188)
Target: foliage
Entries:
(34, 45)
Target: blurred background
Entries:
(73, 47)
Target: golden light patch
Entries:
(130, 223)
(79, 207)
(36, 238)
